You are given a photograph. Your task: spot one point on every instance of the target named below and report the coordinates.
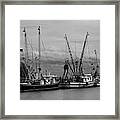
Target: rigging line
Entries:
(31, 49)
(45, 51)
(75, 50)
(43, 44)
(30, 45)
(44, 48)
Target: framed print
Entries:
(59, 59)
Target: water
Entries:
(63, 94)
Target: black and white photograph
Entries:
(60, 60)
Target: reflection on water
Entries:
(63, 94)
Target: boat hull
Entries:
(55, 86)
(27, 87)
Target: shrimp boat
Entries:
(78, 78)
(31, 80)
(47, 82)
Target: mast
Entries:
(96, 56)
(97, 66)
(70, 52)
(39, 68)
(26, 48)
(76, 61)
(81, 58)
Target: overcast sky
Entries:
(53, 43)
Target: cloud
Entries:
(52, 35)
